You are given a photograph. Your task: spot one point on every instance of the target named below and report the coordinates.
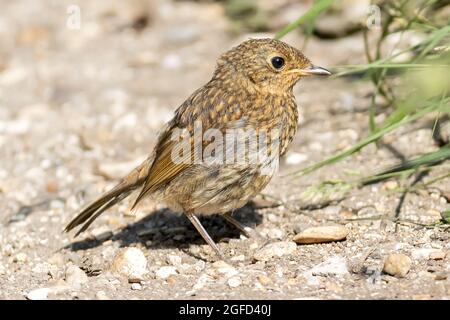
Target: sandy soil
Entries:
(78, 108)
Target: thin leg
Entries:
(237, 224)
(194, 220)
(246, 231)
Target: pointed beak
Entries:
(316, 71)
(313, 71)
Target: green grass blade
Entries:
(374, 137)
(425, 160)
(445, 217)
(358, 68)
(424, 47)
(311, 14)
(433, 41)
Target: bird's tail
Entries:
(130, 183)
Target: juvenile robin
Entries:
(250, 91)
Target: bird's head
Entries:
(268, 64)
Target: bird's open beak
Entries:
(312, 71)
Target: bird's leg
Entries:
(194, 220)
(246, 231)
(243, 229)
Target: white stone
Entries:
(38, 294)
(335, 265)
(240, 257)
(234, 282)
(130, 262)
(136, 286)
(43, 267)
(165, 272)
(174, 259)
(275, 249)
(20, 257)
(275, 233)
(202, 281)
(225, 269)
(75, 277)
(101, 295)
(200, 265)
(424, 253)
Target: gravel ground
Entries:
(79, 108)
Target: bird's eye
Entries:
(277, 62)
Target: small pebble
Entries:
(440, 276)
(275, 233)
(172, 279)
(174, 259)
(41, 268)
(224, 268)
(75, 277)
(264, 280)
(275, 249)
(200, 265)
(397, 265)
(346, 213)
(390, 185)
(165, 272)
(234, 282)
(321, 235)
(202, 281)
(335, 265)
(438, 255)
(101, 295)
(20, 257)
(136, 286)
(427, 253)
(240, 257)
(38, 294)
(130, 262)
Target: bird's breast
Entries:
(278, 116)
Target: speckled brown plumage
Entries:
(248, 90)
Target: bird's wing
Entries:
(163, 169)
(128, 184)
(199, 107)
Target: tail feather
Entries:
(97, 207)
(99, 211)
(133, 181)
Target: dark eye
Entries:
(277, 62)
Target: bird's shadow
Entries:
(167, 229)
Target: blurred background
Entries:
(86, 85)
